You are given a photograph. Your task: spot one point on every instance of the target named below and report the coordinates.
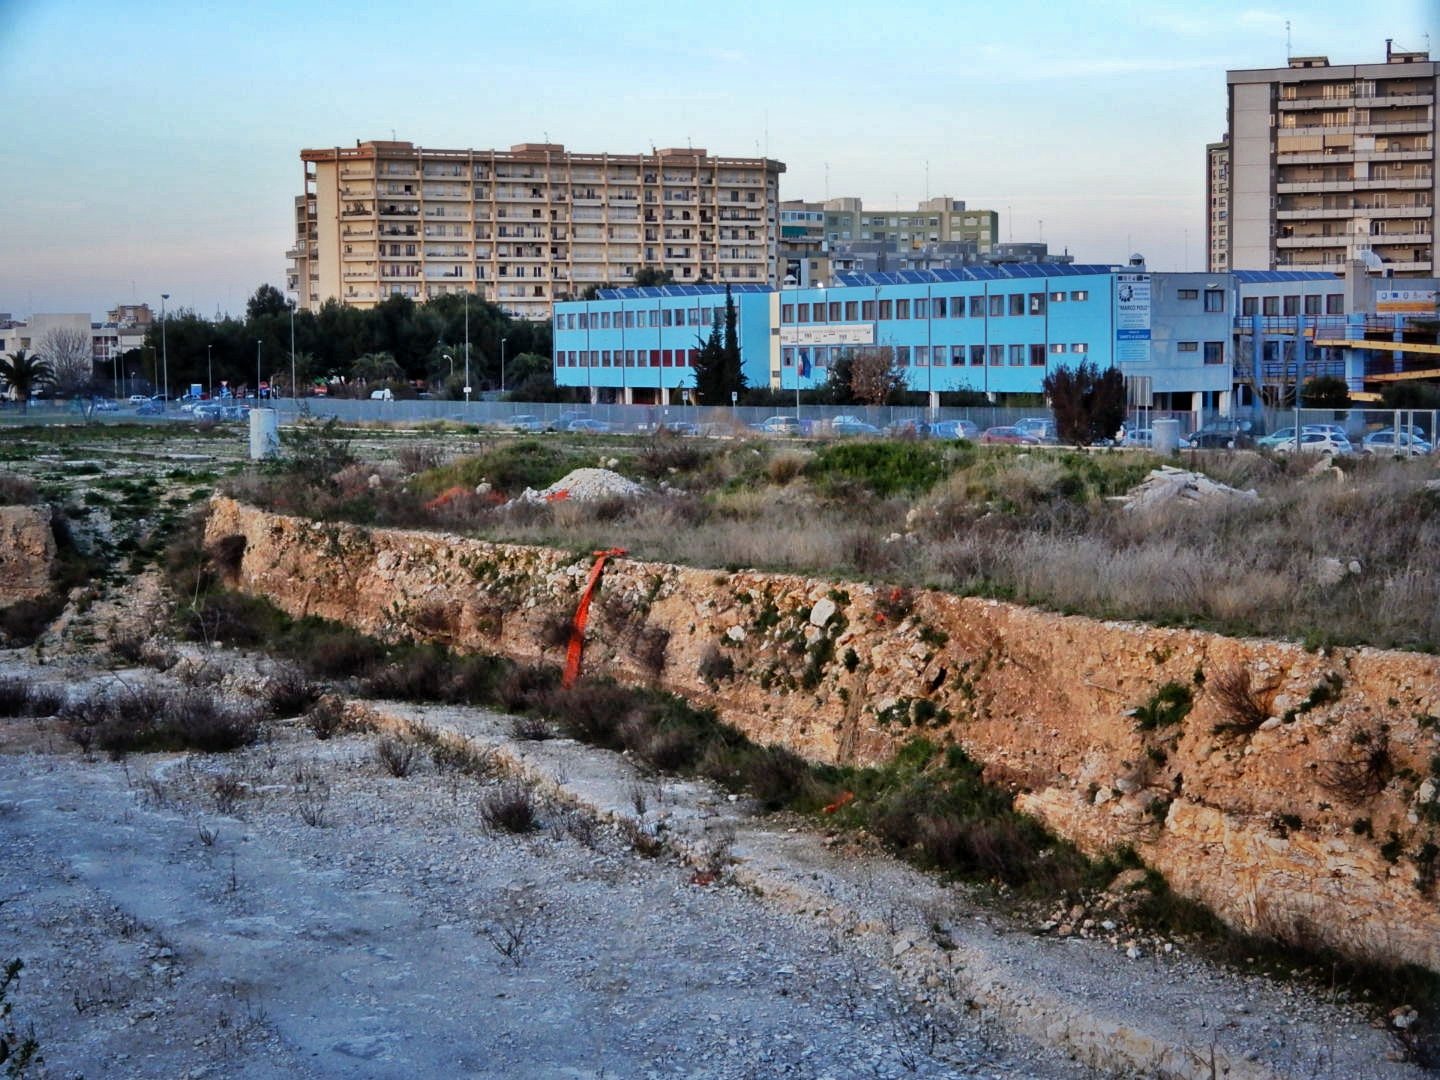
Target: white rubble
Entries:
(1168, 484)
(586, 485)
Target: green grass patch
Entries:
(886, 468)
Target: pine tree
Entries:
(710, 368)
(733, 368)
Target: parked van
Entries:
(382, 395)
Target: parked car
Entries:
(1223, 435)
(105, 405)
(138, 399)
(1140, 437)
(1007, 436)
(526, 422)
(383, 394)
(849, 425)
(564, 420)
(235, 412)
(1278, 436)
(679, 427)
(208, 411)
(955, 429)
(1040, 428)
(1319, 442)
(150, 408)
(585, 425)
(1395, 443)
(781, 425)
(908, 428)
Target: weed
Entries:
(141, 720)
(1168, 706)
(228, 790)
(289, 693)
(326, 718)
(513, 931)
(207, 835)
(530, 728)
(1243, 708)
(885, 468)
(18, 1052)
(1358, 779)
(20, 697)
(313, 804)
(715, 666)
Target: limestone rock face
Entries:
(1317, 825)
(27, 553)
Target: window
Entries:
(1037, 303)
(1271, 305)
(1250, 305)
(852, 311)
(1017, 355)
(1187, 294)
(818, 311)
(938, 304)
(1080, 347)
(977, 355)
(997, 306)
(834, 312)
(1057, 349)
(1080, 294)
(787, 356)
(802, 313)
(1037, 355)
(1312, 304)
(922, 356)
(1292, 305)
(977, 307)
(1214, 352)
(1057, 297)
(902, 355)
(1214, 300)
(886, 310)
(922, 309)
(1187, 346)
(867, 310)
(902, 309)
(1017, 303)
(997, 355)
(1334, 304)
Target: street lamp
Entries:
(210, 370)
(447, 356)
(165, 352)
(467, 347)
(502, 365)
(257, 372)
(293, 394)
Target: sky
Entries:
(156, 148)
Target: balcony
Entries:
(1340, 101)
(399, 211)
(1311, 241)
(452, 274)
(1395, 127)
(357, 211)
(357, 172)
(1314, 157)
(1301, 186)
(447, 193)
(1407, 239)
(1419, 183)
(296, 252)
(1388, 101)
(353, 233)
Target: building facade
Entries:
(525, 226)
(1331, 163)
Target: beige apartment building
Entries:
(938, 220)
(1330, 163)
(527, 226)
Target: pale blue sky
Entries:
(156, 148)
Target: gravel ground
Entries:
(294, 910)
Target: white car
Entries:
(138, 399)
(1318, 442)
(1396, 443)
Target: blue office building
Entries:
(636, 346)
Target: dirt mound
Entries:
(585, 485)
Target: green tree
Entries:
(649, 275)
(709, 370)
(24, 373)
(267, 300)
(1089, 404)
(1420, 394)
(1325, 392)
(734, 368)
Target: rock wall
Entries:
(27, 553)
(1293, 792)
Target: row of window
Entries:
(1214, 298)
(1291, 305)
(1032, 355)
(996, 305)
(637, 319)
(1214, 350)
(629, 358)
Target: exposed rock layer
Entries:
(27, 553)
(1317, 822)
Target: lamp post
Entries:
(447, 356)
(165, 353)
(210, 370)
(257, 372)
(502, 365)
(293, 395)
(467, 348)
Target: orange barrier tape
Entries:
(582, 615)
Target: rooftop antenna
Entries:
(767, 133)
(1010, 222)
(827, 181)
(1287, 41)
(927, 179)
(1042, 230)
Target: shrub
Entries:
(325, 718)
(1358, 779)
(510, 808)
(715, 665)
(1089, 404)
(289, 693)
(16, 490)
(396, 756)
(20, 697)
(142, 719)
(592, 711)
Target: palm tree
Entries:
(23, 372)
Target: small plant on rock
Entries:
(511, 808)
(1242, 706)
(1167, 707)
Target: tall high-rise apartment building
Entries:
(1217, 205)
(933, 221)
(525, 226)
(1330, 163)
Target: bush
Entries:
(1089, 404)
(510, 808)
(886, 468)
(396, 756)
(289, 693)
(145, 720)
(325, 718)
(20, 697)
(16, 490)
